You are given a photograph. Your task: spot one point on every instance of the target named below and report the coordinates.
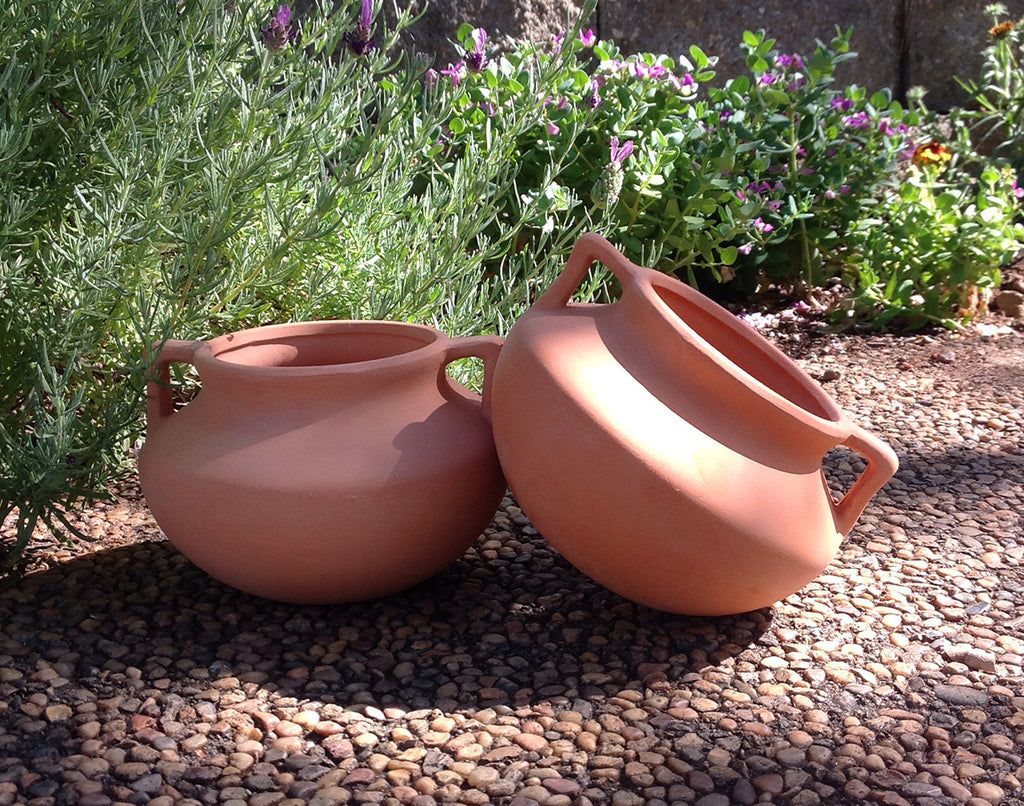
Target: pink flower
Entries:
(858, 120)
(762, 226)
(552, 129)
(455, 72)
(885, 127)
(588, 38)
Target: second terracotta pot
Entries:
(667, 449)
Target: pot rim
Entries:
(835, 423)
(210, 352)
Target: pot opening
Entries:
(322, 349)
(742, 346)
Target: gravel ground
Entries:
(128, 676)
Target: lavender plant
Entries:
(184, 169)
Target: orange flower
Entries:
(932, 153)
(1000, 30)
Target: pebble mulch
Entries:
(128, 676)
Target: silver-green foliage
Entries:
(164, 173)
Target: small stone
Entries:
(58, 713)
(961, 695)
(987, 791)
(973, 658)
(482, 777)
(1010, 303)
(531, 743)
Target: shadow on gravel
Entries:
(487, 631)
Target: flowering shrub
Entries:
(753, 182)
(998, 116)
(930, 251)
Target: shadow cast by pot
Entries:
(510, 623)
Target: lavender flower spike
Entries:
(620, 155)
(608, 186)
(278, 32)
(476, 59)
(360, 39)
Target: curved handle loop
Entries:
(589, 247)
(159, 404)
(882, 465)
(483, 347)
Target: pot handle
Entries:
(589, 247)
(484, 347)
(159, 404)
(882, 465)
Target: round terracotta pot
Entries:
(668, 450)
(323, 462)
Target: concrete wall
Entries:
(900, 43)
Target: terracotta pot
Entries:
(323, 462)
(667, 449)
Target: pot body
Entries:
(668, 450)
(322, 462)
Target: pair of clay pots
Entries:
(663, 446)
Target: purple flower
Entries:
(842, 104)
(360, 39)
(278, 33)
(557, 40)
(588, 38)
(1017, 190)
(620, 155)
(797, 82)
(654, 71)
(552, 128)
(724, 115)
(762, 226)
(455, 72)
(745, 249)
(885, 126)
(830, 194)
(767, 79)
(476, 60)
(858, 120)
(774, 206)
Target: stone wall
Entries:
(900, 43)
